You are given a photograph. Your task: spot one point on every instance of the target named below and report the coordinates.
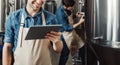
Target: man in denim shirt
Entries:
(62, 14)
(31, 14)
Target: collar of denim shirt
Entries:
(62, 8)
(26, 15)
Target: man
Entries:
(29, 52)
(64, 16)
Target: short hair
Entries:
(68, 3)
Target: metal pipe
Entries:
(2, 15)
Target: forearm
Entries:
(58, 46)
(7, 54)
(78, 24)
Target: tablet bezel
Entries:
(39, 31)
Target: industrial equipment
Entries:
(103, 29)
(50, 5)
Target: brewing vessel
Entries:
(103, 29)
(50, 5)
(6, 7)
(103, 22)
(2, 15)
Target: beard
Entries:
(34, 6)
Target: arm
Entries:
(80, 22)
(8, 41)
(55, 38)
(7, 54)
(57, 46)
(63, 19)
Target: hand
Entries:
(81, 19)
(53, 36)
(79, 14)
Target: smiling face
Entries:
(34, 5)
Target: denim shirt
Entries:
(63, 19)
(13, 21)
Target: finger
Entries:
(55, 33)
(52, 38)
(50, 35)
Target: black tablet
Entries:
(39, 31)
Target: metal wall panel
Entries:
(6, 7)
(103, 21)
(2, 15)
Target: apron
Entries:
(73, 41)
(31, 52)
(72, 38)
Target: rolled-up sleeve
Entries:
(8, 30)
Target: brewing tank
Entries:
(2, 15)
(6, 7)
(103, 22)
(50, 5)
(102, 27)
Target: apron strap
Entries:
(43, 19)
(20, 36)
(70, 19)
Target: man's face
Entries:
(70, 8)
(35, 4)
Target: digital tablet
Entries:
(39, 31)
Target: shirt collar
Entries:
(68, 12)
(25, 13)
(62, 8)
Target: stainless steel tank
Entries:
(103, 22)
(2, 15)
(16, 4)
(7, 6)
(103, 29)
(50, 5)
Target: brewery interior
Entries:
(100, 31)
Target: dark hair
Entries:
(68, 3)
